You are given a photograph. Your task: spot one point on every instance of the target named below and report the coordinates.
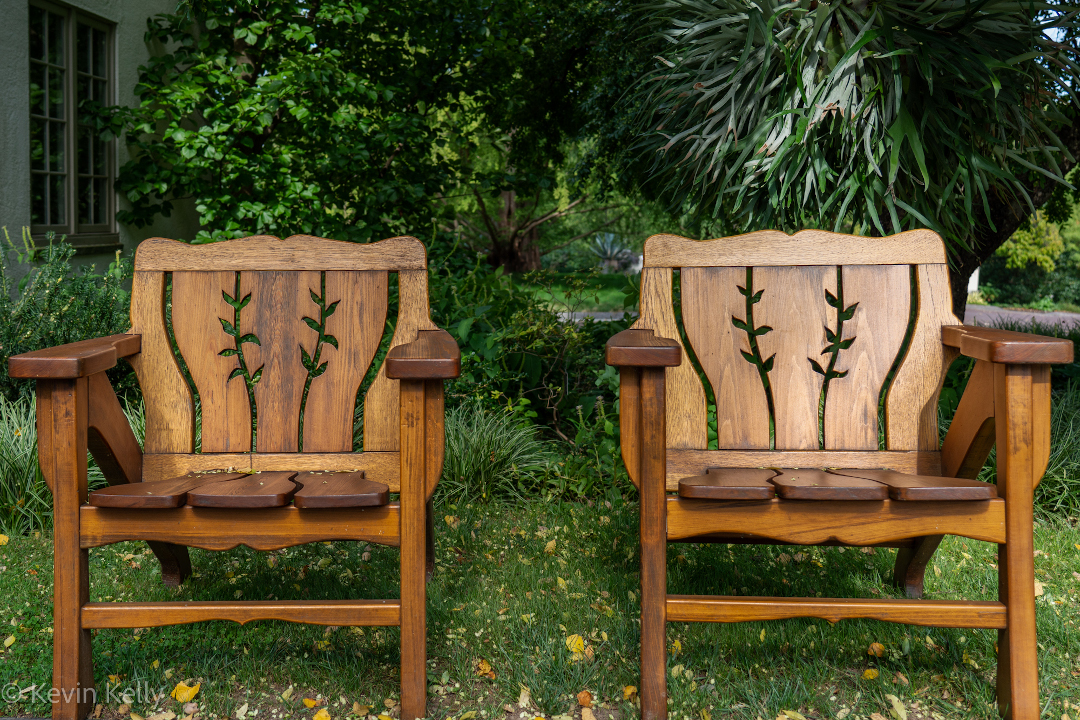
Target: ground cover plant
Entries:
(530, 607)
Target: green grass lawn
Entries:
(582, 291)
(512, 584)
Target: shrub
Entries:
(56, 304)
(490, 454)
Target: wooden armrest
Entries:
(1006, 346)
(643, 348)
(74, 360)
(432, 356)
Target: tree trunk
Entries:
(513, 249)
(1008, 214)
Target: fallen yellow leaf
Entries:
(792, 715)
(167, 715)
(877, 716)
(549, 549)
(587, 714)
(322, 715)
(629, 692)
(483, 669)
(876, 649)
(452, 521)
(359, 709)
(762, 636)
(385, 717)
(575, 644)
(3, 539)
(136, 717)
(898, 709)
(584, 699)
(561, 583)
(309, 703)
(1038, 589)
(183, 693)
(524, 698)
(676, 647)
(10, 641)
(287, 695)
(869, 674)
(468, 715)
(114, 679)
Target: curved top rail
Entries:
(266, 252)
(806, 247)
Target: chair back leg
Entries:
(910, 568)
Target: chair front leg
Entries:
(1019, 400)
(62, 423)
(414, 544)
(653, 474)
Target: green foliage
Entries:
(54, 304)
(490, 454)
(891, 115)
(1039, 243)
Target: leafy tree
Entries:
(879, 115)
(289, 116)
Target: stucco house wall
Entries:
(128, 19)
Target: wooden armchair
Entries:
(826, 354)
(272, 339)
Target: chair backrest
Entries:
(276, 337)
(802, 338)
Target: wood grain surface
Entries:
(882, 296)
(929, 613)
(413, 551)
(847, 522)
(101, 615)
(262, 490)
(903, 486)
(258, 528)
(170, 408)
(198, 307)
(338, 490)
(686, 418)
(642, 348)
(108, 434)
(296, 253)
(710, 302)
(630, 421)
(382, 426)
(806, 247)
(433, 355)
(911, 408)
(818, 485)
(1007, 346)
(794, 306)
(381, 467)
(729, 484)
(653, 522)
(357, 323)
(169, 493)
(279, 302)
(971, 433)
(74, 360)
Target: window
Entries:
(71, 168)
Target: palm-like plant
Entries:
(887, 114)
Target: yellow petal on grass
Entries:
(629, 692)
(876, 649)
(183, 693)
(322, 715)
(309, 703)
(10, 641)
(869, 674)
(575, 644)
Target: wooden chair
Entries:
(810, 342)
(276, 337)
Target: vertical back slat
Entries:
(357, 325)
(170, 409)
(911, 406)
(686, 410)
(198, 304)
(882, 294)
(279, 302)
(381, 410)
(710, 299)
(793, 304)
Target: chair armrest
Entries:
(74, 360)
(642, 348)
(432, 356)
(1006, 346)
